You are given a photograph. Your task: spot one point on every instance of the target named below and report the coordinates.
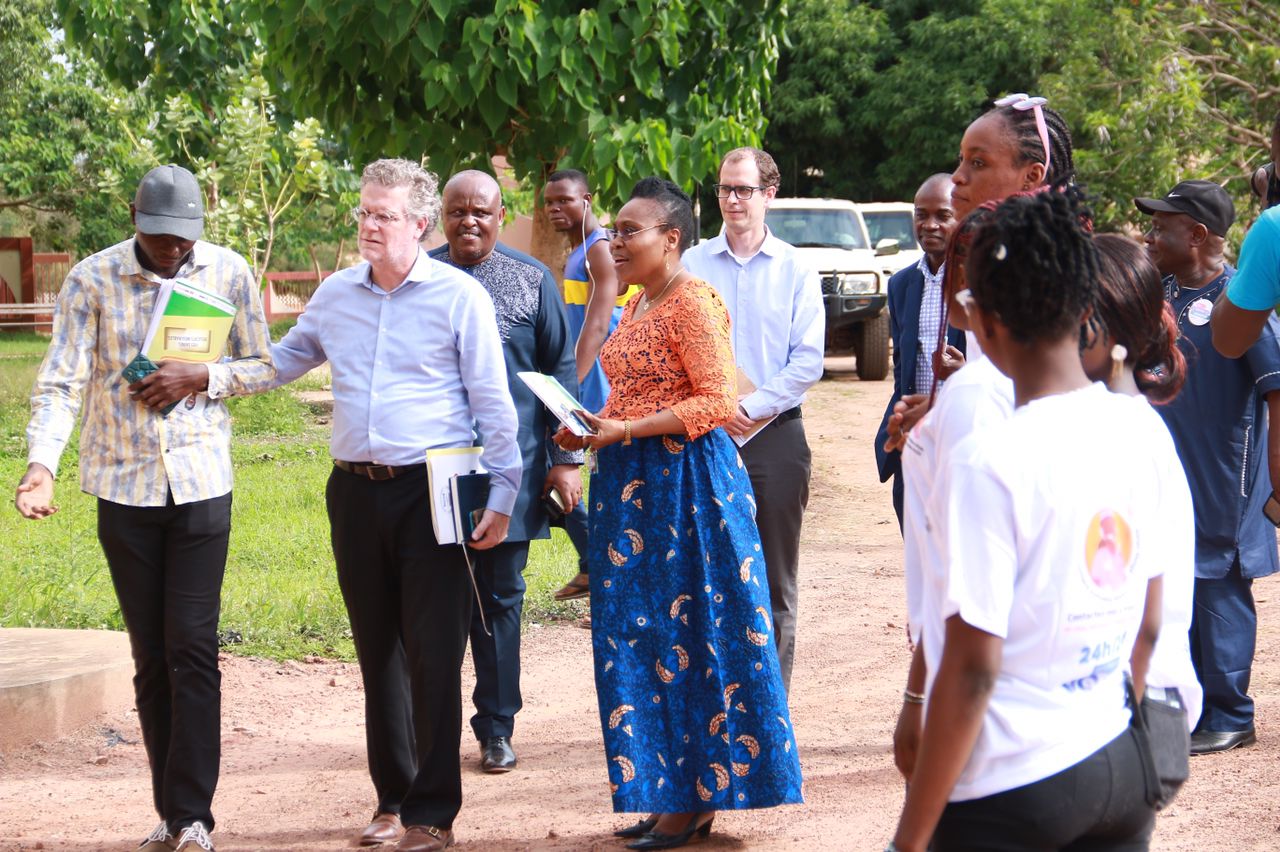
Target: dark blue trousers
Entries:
(577, 523)
(1224, 627)
(899, 497)
(500, 579)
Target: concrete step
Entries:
(55, 681)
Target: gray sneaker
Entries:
(193, 837)
(159, 840)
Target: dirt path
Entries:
(294, 776)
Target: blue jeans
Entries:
(1224, 627)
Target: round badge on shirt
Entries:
(1199, 311)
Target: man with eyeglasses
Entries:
(775, 303)
(535, 338)
(417, 365)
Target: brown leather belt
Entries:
(377, 472)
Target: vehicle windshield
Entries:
(893, 225)
(809, 228)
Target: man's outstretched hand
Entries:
(34, 499)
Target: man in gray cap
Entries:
(163, 481)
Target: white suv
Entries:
(832, 236)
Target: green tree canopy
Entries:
(60, 135)
(621, 88)
(872, 97)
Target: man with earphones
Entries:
(593, 302)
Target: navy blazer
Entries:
(906, 288)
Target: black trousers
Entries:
(1098, 804)
(166, 565)
(778, 461)
(500, 579)
(409, 601)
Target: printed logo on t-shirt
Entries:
(1108, 553)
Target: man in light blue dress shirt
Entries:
(417, 365)
(779, 333)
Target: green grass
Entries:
(22, 343)
(280, 597)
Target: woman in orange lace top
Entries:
(698, 384)
(691, 700)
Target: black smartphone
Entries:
(553, 504)
(1271, 509)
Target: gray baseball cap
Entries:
(169, 201)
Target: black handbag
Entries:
(1164, 745)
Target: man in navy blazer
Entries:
(915, 317)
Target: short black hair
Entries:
(677, 207)
(1034, 264)
(574, 175)
(1030, 148)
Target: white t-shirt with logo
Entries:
(975, 397)
(1176, 541)
(1050, 526)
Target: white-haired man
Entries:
(417, 365)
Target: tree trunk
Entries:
(549, 245)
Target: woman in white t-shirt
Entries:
(1131, 311)
(1049, 576)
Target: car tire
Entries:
(873, 353)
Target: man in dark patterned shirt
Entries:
(535, 337)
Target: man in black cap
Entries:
(163, 481)
(1219, 424)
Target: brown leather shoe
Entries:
(425, 838)
(385, 828)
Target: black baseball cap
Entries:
(1202, 200)
(169, 201)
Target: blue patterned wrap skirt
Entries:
(691, 699)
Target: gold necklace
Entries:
(648, 302)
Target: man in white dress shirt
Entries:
(775, 303)
(417, 365)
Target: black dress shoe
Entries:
(496, 755)
(1208, 742)
(640, 829)
(658, 840)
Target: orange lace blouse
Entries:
(678, 355)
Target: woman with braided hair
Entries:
(997, 159)
(1043, 595)
(1018, 145)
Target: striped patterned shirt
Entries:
(930, 325)
(130, 454)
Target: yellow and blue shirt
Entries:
(594, 389)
